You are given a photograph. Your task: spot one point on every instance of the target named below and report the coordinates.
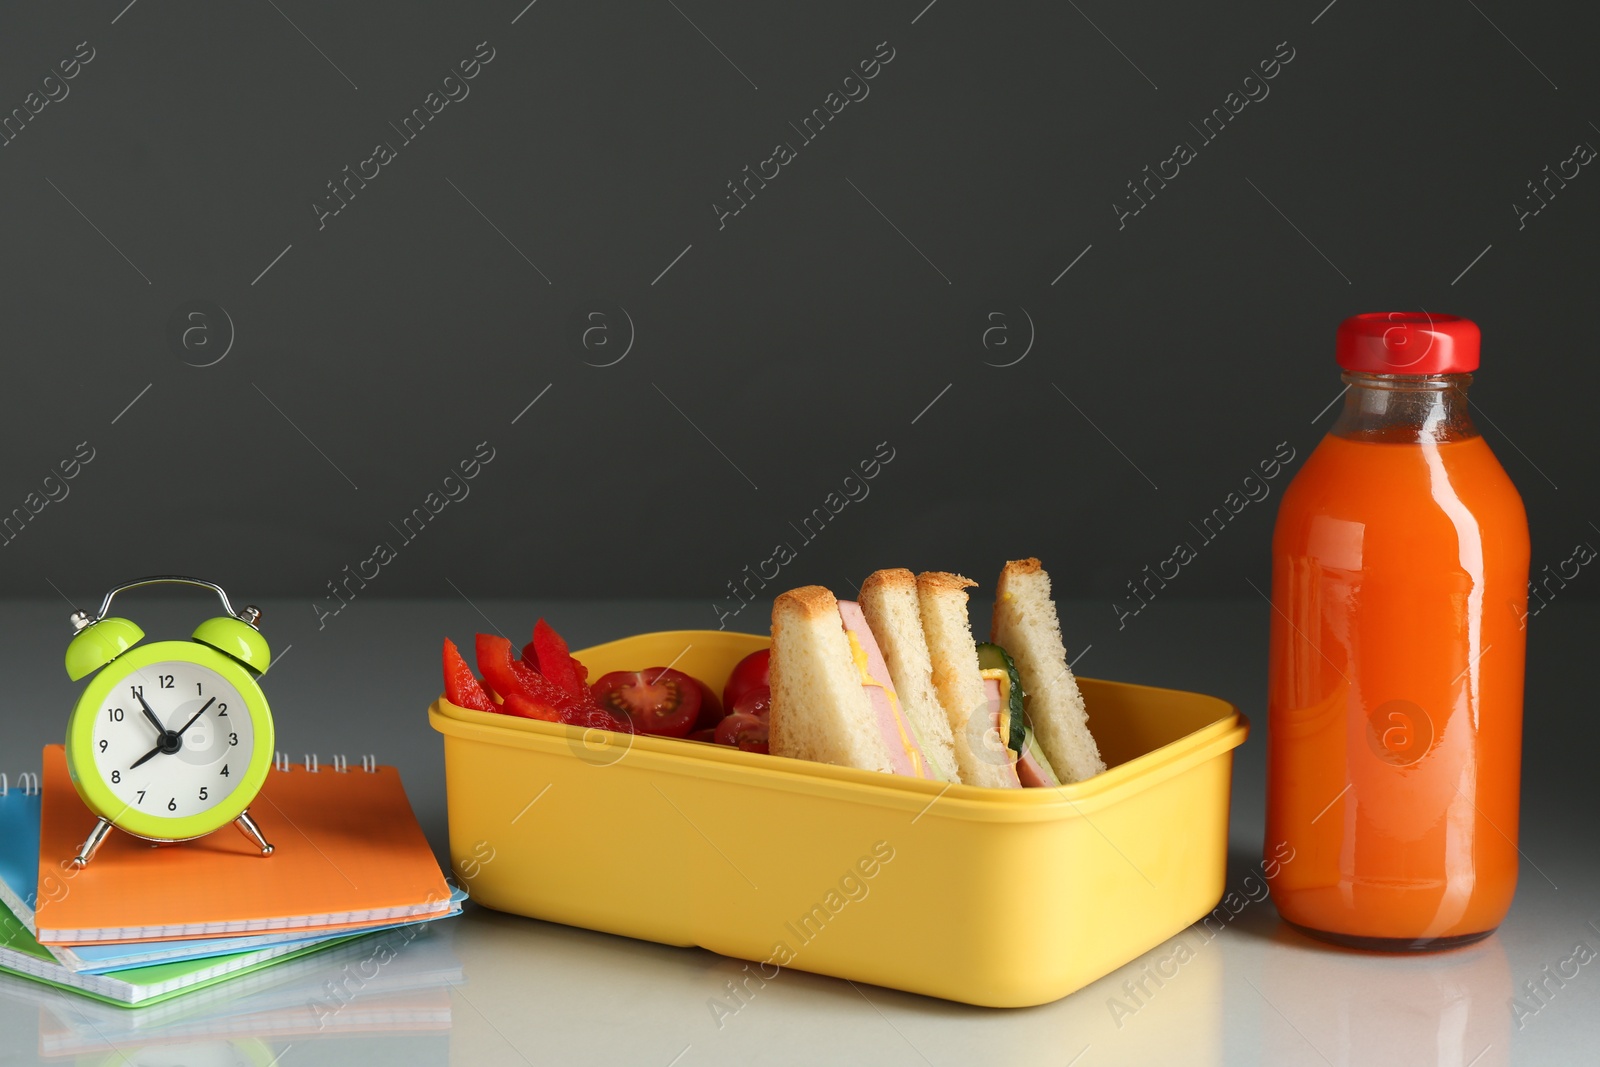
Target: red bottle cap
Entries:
(1407, 342)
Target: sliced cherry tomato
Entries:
(708, 736)
(710, 708)
(757, 702)
(750, 673)
(547, 653)
(658, 700)
(460, 687)
(745, 732)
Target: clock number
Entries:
(141, 796)
(233, 739)
(103, 744)
(197, 690)
(136, 691)
(202, 792)
(225, 773)
(165, 680)
(116, 777)
(222, 709)
(172, 803)
(114, 714)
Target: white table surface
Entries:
(494, 988)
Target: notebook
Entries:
(19, 845)
(19, 874)
(348, 852)
(120, 955)
(24, 956)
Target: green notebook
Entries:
(21, 955)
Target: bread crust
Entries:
(892, 578)
(1018, 567)
(944, 582)
(808, 601)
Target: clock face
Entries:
(172, 739)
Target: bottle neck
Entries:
(1405, 408)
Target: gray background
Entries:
(777, 352)
(851, 303)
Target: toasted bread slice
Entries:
(981, 757)
(1026, 625)
(819, 709)
(889, 601)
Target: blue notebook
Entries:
(19, 885)
(19, 845)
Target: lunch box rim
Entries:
(679, 756)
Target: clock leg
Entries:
(91, 844)
(248, 827)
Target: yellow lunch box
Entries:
(996, 897)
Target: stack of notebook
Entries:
(142, 923)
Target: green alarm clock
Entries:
(170, 740)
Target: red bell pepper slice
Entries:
(461, 688)
(517, 704)
(548, 652)
(537, 697)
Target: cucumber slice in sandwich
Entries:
(1033, 770)
(995, 664)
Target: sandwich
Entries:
(832, 698)
(975, 707)
(898, 683)
(1026, 625)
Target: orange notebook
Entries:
(347, 852)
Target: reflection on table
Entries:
(395, 995)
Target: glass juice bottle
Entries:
(1399, 595)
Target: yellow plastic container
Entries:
(996, 897)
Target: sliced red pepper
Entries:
(510, 677)
(548, 652)
(595, 718)
(517, 704)
(531, 695)
(461, 688)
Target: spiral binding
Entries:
(28, 782)
(282, 762)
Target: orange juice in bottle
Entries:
(1394, 714)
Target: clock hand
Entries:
(172, 741)
(147, 756)
(196, 715)
(157, 723)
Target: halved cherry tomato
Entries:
(658, 700)
(460, 687)
(757, 702)
(750, 673)
(710, 708)
(745, 732)
(708, 736)
(548, 654)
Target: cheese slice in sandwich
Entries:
(833, 699)
(1026, 625)
(982, 757)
